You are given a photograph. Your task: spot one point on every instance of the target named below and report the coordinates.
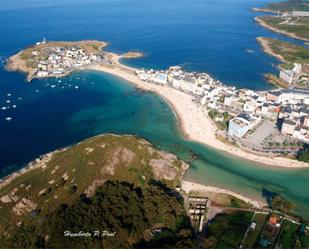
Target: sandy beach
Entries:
(193, 120)
(187, 186)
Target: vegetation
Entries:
(288, 235)
(290, 52)
(118, 191)
(227, 230)
(304, 155)
(279, 203)
(118, 207)
(222, 125)
(295, 25)
(253, 235)
(289, 5)
(79, 170)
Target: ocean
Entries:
(211, 36)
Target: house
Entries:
(228, 99)
(187, 84)
(238, 127)
(250, 106)
(287, 76)
(272, 96)
(306, 121)
(288, 127)
(294, 96)
(273, 220)
(160, 78)
(42, 73)
(300, 13)
(291, 76)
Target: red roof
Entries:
(273, 220)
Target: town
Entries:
(265, 122)
(48, 60)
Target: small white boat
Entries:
(59, 81)
(8, 119)
(53, 86)
(20, 98)
(76, 87)
(9, 95)
(8, 101)
(37, 91)
(14, 106)
(3, 108)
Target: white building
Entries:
(160, 78)
(250, 106)
(294, 96)
(238, 127)
(290, 76)
(187, 84)
(288, 127)
(42, 73)
(300, 13)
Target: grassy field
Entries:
(297, 26)
(80, 169)
(289, 5)
(288, 235)
(290, 52)
(253, 235)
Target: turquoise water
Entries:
(213, 37)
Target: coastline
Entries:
(267, 49)
(265, 25)
(194, 122)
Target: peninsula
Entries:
(291, 19)
(58, 59)
(122, 192)
(203, 105)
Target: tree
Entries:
(281, 204)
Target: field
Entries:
(289, 52)
(295, 25)
(289, 5)
(288, 235)
(253, 235)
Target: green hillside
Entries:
(290, 5)
(121, 184)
